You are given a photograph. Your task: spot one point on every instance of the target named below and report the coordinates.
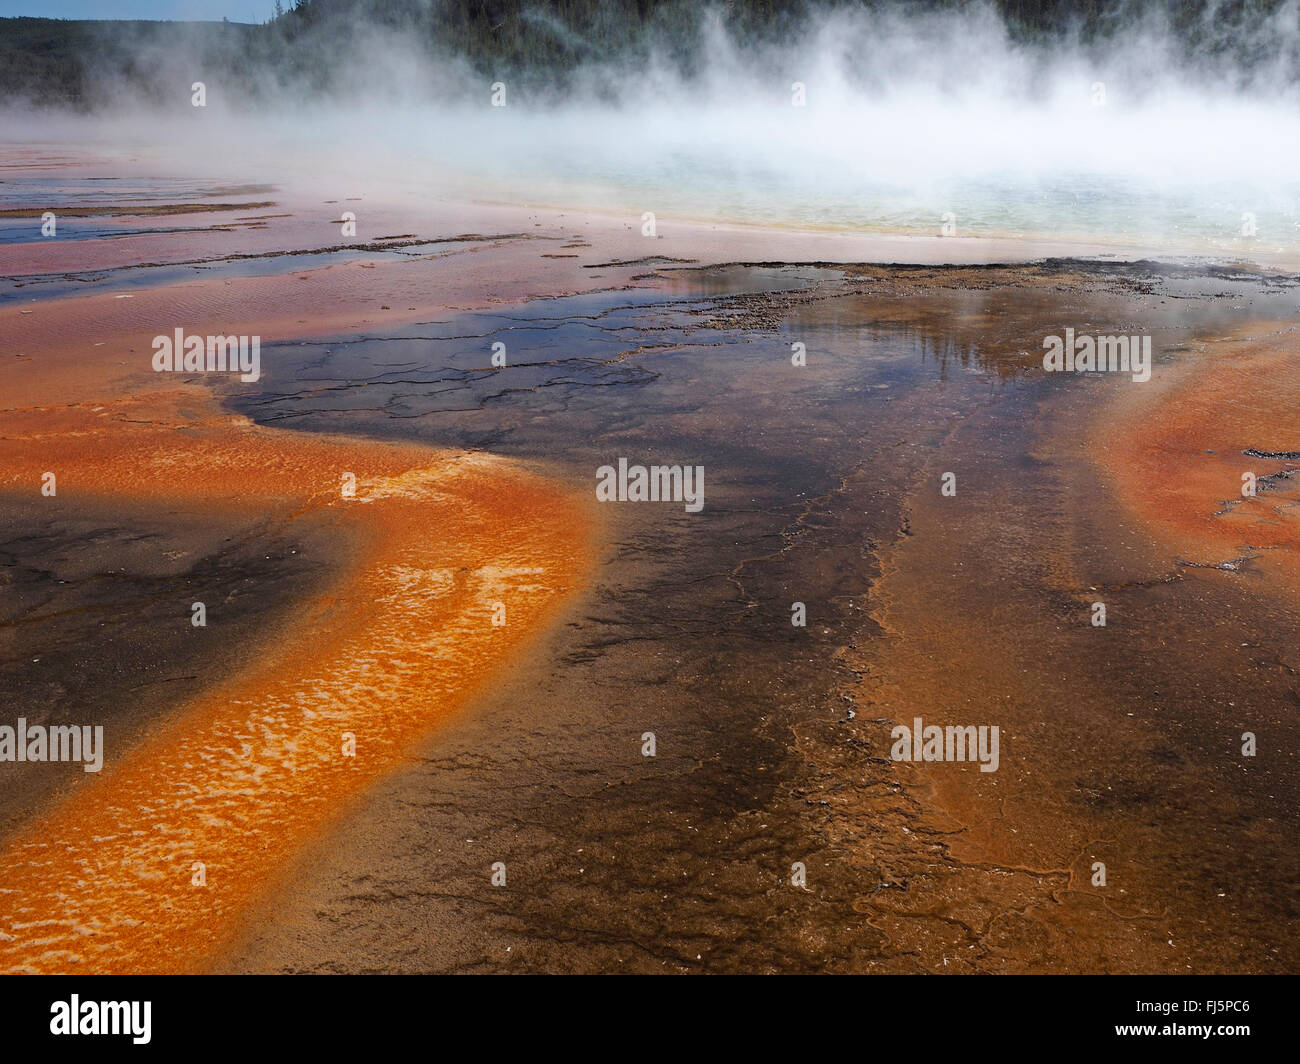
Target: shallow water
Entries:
(28, 287)
(1062, 179)
(1194, 216)
(821, 488)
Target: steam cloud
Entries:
(908, 113)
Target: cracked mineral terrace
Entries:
(774, 741)
(1118, 744)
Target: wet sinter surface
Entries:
(1121, 745)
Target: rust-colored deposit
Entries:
(109, 881)
(1179, 451)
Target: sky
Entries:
(212, 10)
